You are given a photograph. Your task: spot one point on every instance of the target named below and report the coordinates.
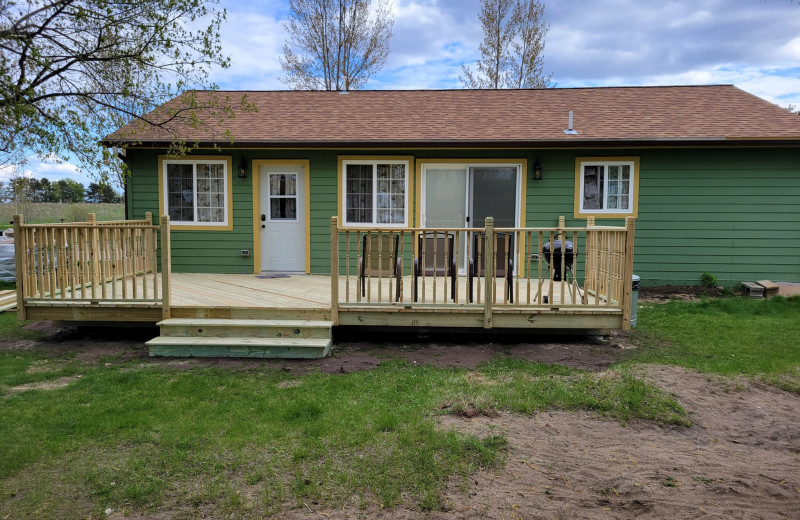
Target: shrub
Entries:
(708, 280)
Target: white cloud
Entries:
(50, 167)
(750, 43)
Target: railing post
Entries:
(20, 261)
(335, 270)
(166, 267)
(94, 249)
(148, 216)
(589, 265)
(488, 269)
(627, 273)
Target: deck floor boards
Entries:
(300, 291)
(313, 291)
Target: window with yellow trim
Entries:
(375, 192)
(195, 191)
(606, 187)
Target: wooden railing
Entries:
(93, 262)
(448, 266)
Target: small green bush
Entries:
(708, 280)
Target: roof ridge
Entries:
(547, 89)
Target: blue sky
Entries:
(754, 44)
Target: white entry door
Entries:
(283, 226)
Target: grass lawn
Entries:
(728, 336)
(143, 437)
(139, 437)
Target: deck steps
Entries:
(257, 338)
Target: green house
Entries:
(711, 174)
(489, 209)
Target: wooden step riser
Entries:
(245, 313)
(239, 352)
(246, 332)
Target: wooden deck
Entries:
(121, 272)
(292, 296)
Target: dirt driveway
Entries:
(740, 459)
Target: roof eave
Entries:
(573, 142)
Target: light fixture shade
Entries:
(242, 169)
(537, 171)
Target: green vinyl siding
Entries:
(732, 212)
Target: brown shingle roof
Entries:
(486, 117)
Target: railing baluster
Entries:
(359, 255)
(132, 254)
(574, 264)
(457, 257)
(346, 263)
(29, 274)
(423, 267)
(402, 259)
(37, 234)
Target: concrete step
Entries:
(245, 347)
(222, 328)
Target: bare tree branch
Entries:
(73, 71)
(335, 44)
(511, 50)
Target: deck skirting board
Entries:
(501, 320)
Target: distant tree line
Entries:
(28, 189)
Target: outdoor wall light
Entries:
(243, 169)
(537, 170)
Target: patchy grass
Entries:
(526, 387)
(12, 328)
(142, 438)
(729, 336)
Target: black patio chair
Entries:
(503, 263)
(437, 250)
(379, 257)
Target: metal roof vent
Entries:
(570, 130)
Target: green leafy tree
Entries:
(52, 193)
(72, 71)
(101, 192)
(335, 44)
(511, 51)
(70, 191)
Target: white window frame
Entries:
(605, 211)
(374, 163)
(194, 163)
(270, 196)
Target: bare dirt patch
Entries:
(665, 293)
(45, 385)
(740, 459)
(354, 353)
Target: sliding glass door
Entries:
(457, 196)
